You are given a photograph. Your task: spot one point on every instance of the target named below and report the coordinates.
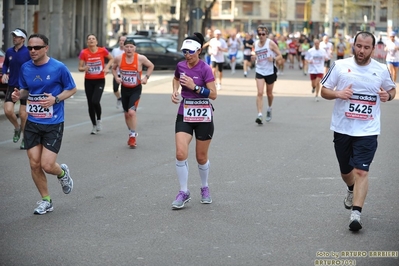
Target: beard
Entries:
(363, 59)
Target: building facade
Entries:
(314, 17)
(65, 22)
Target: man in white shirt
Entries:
(392, 58)
(328, 47)
(115, 53)
(358, 84)
(316, 57)
(217, 47)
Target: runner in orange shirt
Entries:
(92, 63)
(130, 65)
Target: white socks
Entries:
(204, 173)
(182, 174)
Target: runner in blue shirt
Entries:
(14, 58)
(45, 83)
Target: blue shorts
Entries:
(354, 152)
(395, 64)
(232, 55)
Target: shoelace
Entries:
(205, 192)
(64, 181)
(42, 204)
(181, 195)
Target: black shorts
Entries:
(327, 63)
(218, 65)
(203, 131)
(285, 56)
(247, 57)
(10, 90)
(270, 79)
(354, 152)
(131, 97)
(49, 136)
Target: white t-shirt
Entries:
(263, 65)
(116, 52)
(316, 60)
(328, 47)
(392, 53)
(234, 45)
(216, 54)
(360, 115)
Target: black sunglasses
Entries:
(262, 34)
(36, 48)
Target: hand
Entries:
(4, 79)
(15, 95)
(346, 93)
(175, 97)
(144, 80)
(106, 71)
(48, 101)
(118, 80)
(270, 58)
(384, 96)
(187, 82)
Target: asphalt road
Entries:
(276, 189)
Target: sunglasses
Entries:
(187, 51)
(261, 34)
(36, 48)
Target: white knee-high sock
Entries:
(204, 173)
(182, 174)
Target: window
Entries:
(299, 10)
(274, 10)
(247, 8)
(383, 14)
(226, 7)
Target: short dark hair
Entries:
(364, 35)
(40, 36)
(129, 41)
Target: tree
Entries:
(182, 23)
(207, 21)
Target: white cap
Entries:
(191, 45)
(19, 33)
(217, 32)
(392, 33)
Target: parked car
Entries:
(3, 87)
(130, 36)
(169, 43)
(161, 57)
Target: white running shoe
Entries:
(99, 125)
(354, 222)
(94, 130)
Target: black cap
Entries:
(129, 41)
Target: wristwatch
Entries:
(57, 100)
(197, 88)
(147, 76)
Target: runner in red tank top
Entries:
(130, 65)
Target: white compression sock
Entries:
(204, 173)
(182, 174)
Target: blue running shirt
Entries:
(52, 77)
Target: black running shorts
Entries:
(49, 136)
(203, 131)
(354, 152)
